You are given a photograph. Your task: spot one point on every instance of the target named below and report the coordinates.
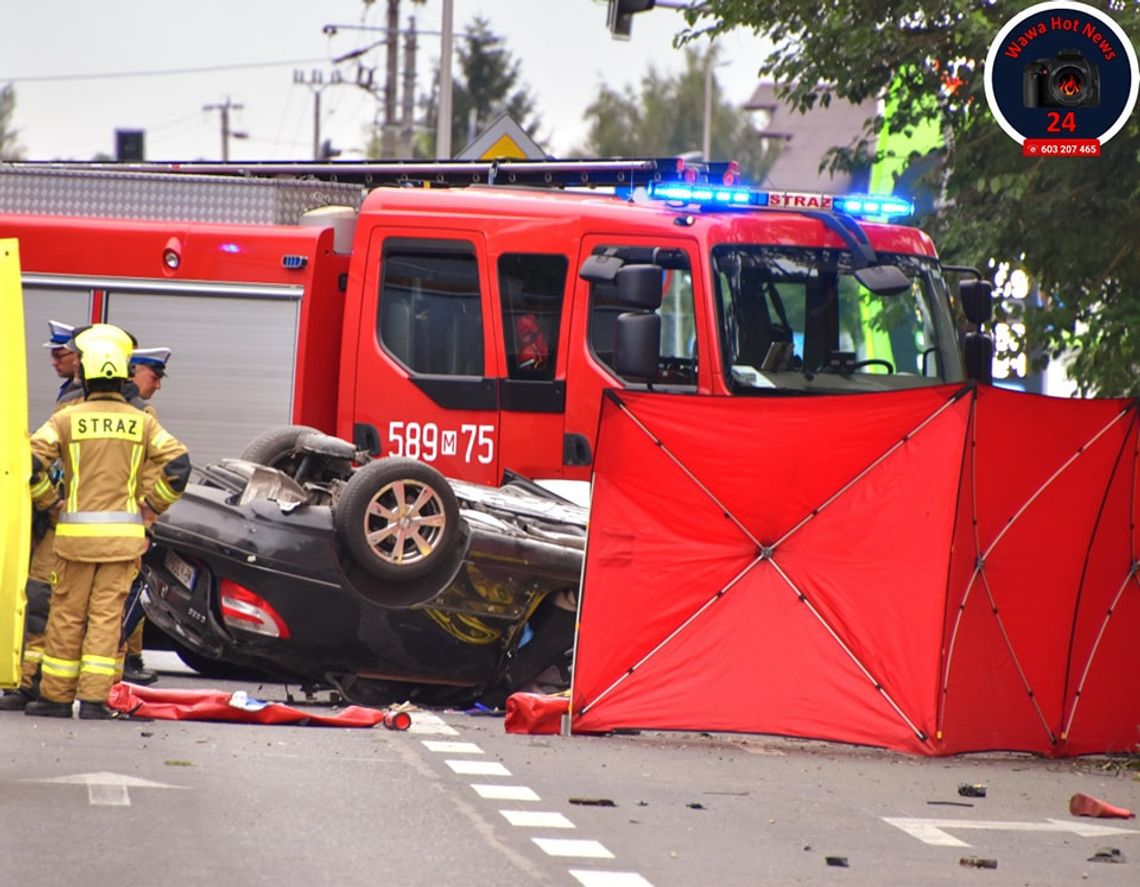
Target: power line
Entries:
(239, 66)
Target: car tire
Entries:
(398, 519)
(276, 448)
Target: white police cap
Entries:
(61, 334)
(155, 358)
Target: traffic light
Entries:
(129, 145)
(619, 16)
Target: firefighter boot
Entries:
(15, 700)
(45, 708)
(136, 672)
(97, 711)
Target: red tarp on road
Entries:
(935, 571)
(216, 705)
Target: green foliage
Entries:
(666, 118)
(1072, 225)
(485, 83)
(488, 86)
(9, 144)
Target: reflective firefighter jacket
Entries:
(108, 450)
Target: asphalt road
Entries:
(457, 801)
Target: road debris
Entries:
(695, 805)
(977, 862)
(837, 861)
(1107, 854)
(397, 720)
(595, 802)
(976, 790)
(951, 803)
(1086, 805)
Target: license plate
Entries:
(180, 570)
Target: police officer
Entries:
(65, 361)
(107, 447)
(42, 566)
(148, 369)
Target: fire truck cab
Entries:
(483, 323)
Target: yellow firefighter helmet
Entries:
(104, 351)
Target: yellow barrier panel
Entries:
(15, 466)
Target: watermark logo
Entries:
(1061, 79)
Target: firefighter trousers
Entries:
(81, 652)
(41, 578)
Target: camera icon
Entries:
(1067, 81)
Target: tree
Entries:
(484, 85)
(1072, 225)
(667, 119)
(9, 144)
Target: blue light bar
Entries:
(706, 195)
(882, 206)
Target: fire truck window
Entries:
(796, 310)
(430, 317)
(531, 289)
(677, 364)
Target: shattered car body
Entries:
(384, 581)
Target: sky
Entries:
(81, 70)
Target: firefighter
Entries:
(148, 368)
(107, 447)
(42, 565)
(531, 343)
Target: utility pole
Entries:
(443, 124)
(316, 82)
(443, 114)
(227, 133)
(706, 142)
(391, 48)
(407, 124)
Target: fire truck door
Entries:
(590, 349)
(425, 385)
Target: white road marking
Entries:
(589, 878)
(932, 831)
(506, 792)
(559, 847)
(426, 722)
(107, 789)
(573, 847)
(480, 768)
(536, 819)
(452, 748)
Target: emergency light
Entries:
(713, 196)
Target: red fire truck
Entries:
(470, 314)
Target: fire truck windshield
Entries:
(797, 318)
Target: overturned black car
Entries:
(380, 580)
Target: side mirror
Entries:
(637, 345)
(639, 287)
(977, 297)
(883, 280)
(978, 352)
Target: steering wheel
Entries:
(876, 361)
